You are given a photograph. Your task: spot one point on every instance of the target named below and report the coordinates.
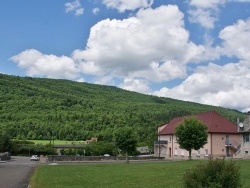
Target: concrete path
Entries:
(17, 172)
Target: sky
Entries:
(190, 50)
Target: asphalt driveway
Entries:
(17, 172)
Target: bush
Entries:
(213, 174)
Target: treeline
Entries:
(38, 108)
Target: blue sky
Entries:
(190, 50)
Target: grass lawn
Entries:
(146, 175)
(57, 142)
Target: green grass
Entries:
(57, 142)
(146, 175)
(168, 174)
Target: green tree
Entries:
(5, 142)
(213, 174)
(191, 134)
(125, 140)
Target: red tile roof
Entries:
(215, 122)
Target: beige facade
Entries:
(218, 145)
(244, 130)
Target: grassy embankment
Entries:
(146, 175)
(57, 142)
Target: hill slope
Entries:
(36, 108)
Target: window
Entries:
(246, 138)
(175, 151)
(246, 152)
(206, 152)
(170, 138)
(182, 152)
(198, 153)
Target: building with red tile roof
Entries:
(223, 138)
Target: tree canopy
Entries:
(125, 140)
(32, 108)
(5, 142)
(191, 134)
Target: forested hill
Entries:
(35, 108)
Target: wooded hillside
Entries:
(36, 108)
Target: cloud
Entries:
(154, 42)
(139, 85)
(225, 85)
(152, 46)
(236, 39)
(241, 1)
(204, 13)
(95, 11)
(123, 5)
(37, 64)
(74, 6)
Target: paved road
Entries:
(17, 172)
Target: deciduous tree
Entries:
(191, 134)
(125, 140)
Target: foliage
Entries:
(191, 134)
(39, 108)
(92, 149)
(125, 140)
(214, 174)
(5, 142)
(27, 148)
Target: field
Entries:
(57, 142)
(133, 175)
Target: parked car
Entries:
(106, 155)
(34, 158)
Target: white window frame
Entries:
(206, 152)
(198, 154)
(182, 152)
(175, 151)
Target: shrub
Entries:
(213, 174)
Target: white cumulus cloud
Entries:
(37, 64)
(225, 85)
(139, 85)
(236, 39)
(205, 13)
(74, 6)
(123, 5)
(129, 47)
(95, 11)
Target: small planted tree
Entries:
(125, 140)
(191, 134)
(213, 174)
(5, 142)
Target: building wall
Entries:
(163, 148)
(219, 142)
(245, 146)
(215, 147)
(172, 150)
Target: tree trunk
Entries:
(127, 161)
(189, 156)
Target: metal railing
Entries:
(157, 142)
